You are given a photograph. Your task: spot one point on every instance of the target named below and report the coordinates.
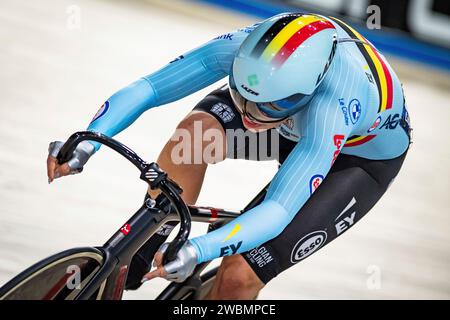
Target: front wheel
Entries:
(59, 277)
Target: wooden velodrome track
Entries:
(53, 78)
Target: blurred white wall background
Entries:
(61, 59)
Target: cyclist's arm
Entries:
(324, 130)
(185, 75)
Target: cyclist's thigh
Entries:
(348, 192)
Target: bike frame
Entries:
(121, 247)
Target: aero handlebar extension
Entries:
(150, 173)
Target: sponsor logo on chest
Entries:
(375, 124)
(337, 140)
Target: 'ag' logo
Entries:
(391, 122)
(307, 245)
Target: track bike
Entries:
(100, 273)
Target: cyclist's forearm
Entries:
(260, 224)
(123, 108)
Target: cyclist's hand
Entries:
(179, 269)
(75, 165)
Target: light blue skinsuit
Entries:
(346, 105)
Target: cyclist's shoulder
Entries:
(347, 77)
(342, 98)
(221, 50)
(233, 38)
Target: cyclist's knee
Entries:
(200, 137)
(238, 277)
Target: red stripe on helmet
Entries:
(298, 38)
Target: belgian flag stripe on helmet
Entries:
(271, 33)
(377, 66)
(286, 35)
(297, 39)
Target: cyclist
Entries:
(310, 82)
